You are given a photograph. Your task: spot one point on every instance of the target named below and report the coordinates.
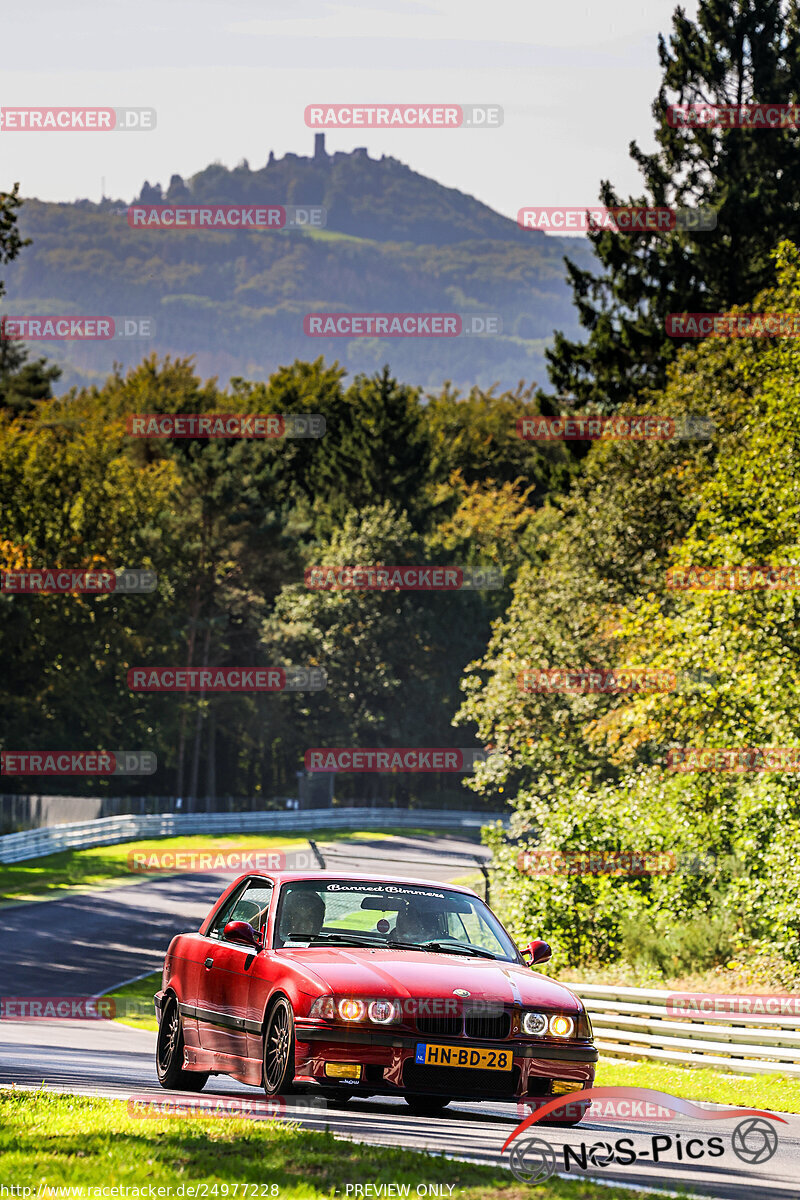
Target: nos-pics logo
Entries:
(533, 1160)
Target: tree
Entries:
(21, 382)
(736, 52)
(392, 658)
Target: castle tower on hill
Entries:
(319, 147)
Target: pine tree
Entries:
(736, 52)
(21, 382)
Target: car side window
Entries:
(250, 903)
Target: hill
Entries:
(394, 241)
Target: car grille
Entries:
(440, 1026)
(492, 1028)
(458, 1081)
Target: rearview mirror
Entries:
(241, 931)
(537, 952)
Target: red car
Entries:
(364, 985)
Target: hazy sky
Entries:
(231, 79)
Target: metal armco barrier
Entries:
(105, 831)
(636, 1023)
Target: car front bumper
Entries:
(388, 1065)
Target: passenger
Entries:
(419, 925)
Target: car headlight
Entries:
(384, 1012)
(534, 1023)
(323, 1006)
(561, 1025)
(352, 1010)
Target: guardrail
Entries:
(637, 1023)
(105, 831)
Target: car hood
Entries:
(419, 973)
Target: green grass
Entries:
(101, 865)
(56, 1140)
(773, 1092)
(134, 1002)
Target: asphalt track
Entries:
(88, 943)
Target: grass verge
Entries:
(36, 878)
(134, 1002)
(51, 1140)
(773, 1092)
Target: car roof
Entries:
(353, 877)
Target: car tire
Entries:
(169, 1052)
(427, 1106)
(278, 1058)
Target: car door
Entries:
(222, 1000)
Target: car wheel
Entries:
(279, 1048)
(169, 1053)
(427, 1106)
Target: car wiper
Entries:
(443, 948)
(346, 939)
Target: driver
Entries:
(419, 925)
(302, 916)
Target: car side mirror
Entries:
(241, 931)
(538, 952)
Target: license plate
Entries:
(461, 1056)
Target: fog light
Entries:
(560, 1087)
(343, 1070)
(561, 1026)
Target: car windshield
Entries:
(393, 916)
